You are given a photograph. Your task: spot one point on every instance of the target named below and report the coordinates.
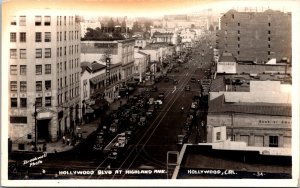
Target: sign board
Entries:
(226, 67)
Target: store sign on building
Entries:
(107, 71)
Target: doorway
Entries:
(43, 129)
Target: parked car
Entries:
(161, 96)
(187, 88)
(181, 139)
(193, 80)
(153, 88)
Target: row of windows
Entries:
(23, 102)
(62, 98)
(60, 36)
(23, 69)
(38, 20)
(47, 36)
(269, 24)
(72, 64)
(64, 19)
(14, 102)
(72, 78)
(13, 54)
(38, 37)
(73, 49)
(23, 86)
(23, 53)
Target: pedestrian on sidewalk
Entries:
(44, 147)
(64, 139)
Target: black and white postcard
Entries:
(181, 93)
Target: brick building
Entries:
(259, 36)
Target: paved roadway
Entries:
(149, 148)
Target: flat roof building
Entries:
(259, 36)
(44, 58)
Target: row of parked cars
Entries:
(191, 117)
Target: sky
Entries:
(140, 8)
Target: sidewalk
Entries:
(85, 129)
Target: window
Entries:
(47, 52)
(269, 24)
(38, 53)
(269, 52)
(238, 52)
(39, 102)
(269, 32)
(38, 85)
(232, 16)
(238, 31)
(38, 37)
(48, 84)
(13, 37)
(18, 119)
(269, 39)
(269, 46)
(22, 37)
(22, 69)
(273, 141)
(22, 53)
(38, 69)
(13, 102)
(13, 20)
(47, 37)
(23, 102)
(65, 37)
(13, 53)
(23, 86)
(13, 86)
(238, 24)
(22, 20)
(238, 38)
(47, 101)
(13, 70)
(238, 45)
(48, 69)
(47, 20)
(38, 20)
(65, 65)
(218, 136)
(65, 53)
(65, 20)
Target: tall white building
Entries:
(44, 76)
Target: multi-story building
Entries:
(258, 36)
(118, 51)
(44, 52)
(141, 61)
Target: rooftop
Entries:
(198, 160)
(227, 57)
(219, 105)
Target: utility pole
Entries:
(35, 128)
(232, 114)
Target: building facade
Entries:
(119, 52)
(259, 36)
(261, 117)
(44, 57)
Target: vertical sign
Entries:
(107, 71)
